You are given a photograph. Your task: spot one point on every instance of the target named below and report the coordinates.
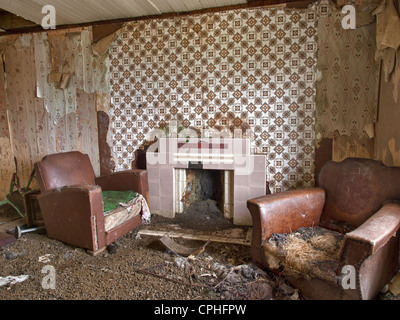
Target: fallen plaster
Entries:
(10, 280)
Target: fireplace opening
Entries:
(203, 192)
(204, 198)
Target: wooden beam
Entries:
(10, 21)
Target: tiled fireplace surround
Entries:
(247, 172)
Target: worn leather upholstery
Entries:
(356, 197)
(356, 189)
(71, 199)
(64, 169)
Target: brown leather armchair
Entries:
(71, 201)
(356, 207)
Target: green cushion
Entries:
(111, 199)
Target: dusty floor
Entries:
(137, 268)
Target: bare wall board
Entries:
(39, 113)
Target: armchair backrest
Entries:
(355, 189)
(64, 169)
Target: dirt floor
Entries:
(137, 268)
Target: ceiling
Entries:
(25, 15)
(85, 11)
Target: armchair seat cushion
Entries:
(121, 206)
(121, 214)
(111, 199)
(310, 251)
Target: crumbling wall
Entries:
(49, 82)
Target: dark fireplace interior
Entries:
(203, 200)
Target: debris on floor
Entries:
(180, 249)
(10, 280)
(394, 285)
(139, 267)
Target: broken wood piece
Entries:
(183, 235)
(182, 250)
(65, 78)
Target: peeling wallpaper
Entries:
(37, 115)
(66, 54)
(252, 68)
(347, 93)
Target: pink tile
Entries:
(241, 180)
(259, 163)
(241, 193)
(166, 173)
(257, 180)
(167, 189)
(153, 173)
(255, 192)
(242, 215)
(154, 188)
(167, 204)
(154, 203)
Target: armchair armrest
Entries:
(372, 250)
(135, 179)
(284, 212)
(74, 214)
(372, 235)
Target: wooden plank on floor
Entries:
(191, 236)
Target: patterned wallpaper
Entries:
(346, 94)
(252, 68)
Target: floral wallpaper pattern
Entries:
(251, 68)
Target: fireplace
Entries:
(199, 190)
(225, 166)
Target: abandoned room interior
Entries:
(199, 150)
